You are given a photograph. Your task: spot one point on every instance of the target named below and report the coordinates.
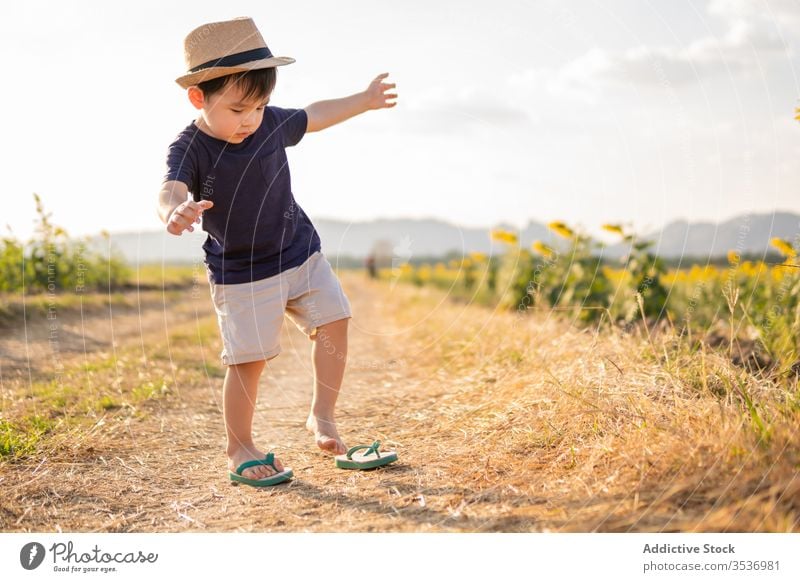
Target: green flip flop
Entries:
(280, 477)
(369, 459)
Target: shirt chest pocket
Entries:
(276, 192)
(274, 168)
(254, 213)
(242, 182)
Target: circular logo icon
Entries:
(31, 555)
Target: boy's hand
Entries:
(376, 99)
(186, 214)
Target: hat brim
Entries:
(187, 81)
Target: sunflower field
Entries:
(750, 301)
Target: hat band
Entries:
(235, 59)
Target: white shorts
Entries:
(250, 315)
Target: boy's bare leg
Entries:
(329, 353)
(239, 401)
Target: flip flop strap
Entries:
(373, 448)
(268, 460)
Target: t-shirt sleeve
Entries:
(181, 164)
(292, 125)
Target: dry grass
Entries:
(501, 424)
(551, 427)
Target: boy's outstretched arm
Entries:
(323, 114)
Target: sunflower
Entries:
(542, 248)
(561, 229)
(504, 236)
(784, 247)
(614, 228)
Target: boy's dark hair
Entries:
(256, 85)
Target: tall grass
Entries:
(750, 302)
(51, 261)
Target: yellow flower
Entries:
(561, 229)
(733, 257)
(612, 274)
(614, 228)
(778, 273)
(670, 277)
(783, 246)
(505, 236)
(542, 248)
(478, 257)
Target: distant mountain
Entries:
(746, 234)
(415, 238)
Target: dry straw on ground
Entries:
(501, 424)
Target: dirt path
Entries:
(166, 471)
(499, 426)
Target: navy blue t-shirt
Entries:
(255, 229)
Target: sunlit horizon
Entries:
(584, 113)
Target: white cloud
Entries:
(441, 111)
(782, 13)
(754, 37)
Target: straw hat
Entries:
(222, 48)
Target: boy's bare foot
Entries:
(242, 454)
(326, 435)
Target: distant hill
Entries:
(747, 234)
(415, 238)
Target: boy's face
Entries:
(225, 115)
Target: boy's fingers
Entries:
(194, 209)
(185, 214)
(180, 220)
(188, 213)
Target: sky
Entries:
(587, 112)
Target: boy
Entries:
(263, 254)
